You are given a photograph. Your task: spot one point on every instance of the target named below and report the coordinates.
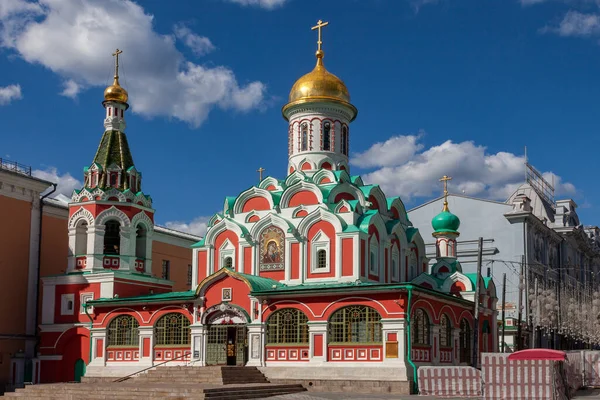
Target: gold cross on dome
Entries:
(116, 55)
(445, 179)
(320, 24)
(260, 171)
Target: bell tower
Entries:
(110, 218)
(445, 228)
(319, 114)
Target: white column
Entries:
(146, 334)
(148, 255)
(95, 248)
(72, 247)
(256, 345)
(317, 329)
(198, 338)
(98, 335)
(456, 348)
(389, 329)
(125, 248)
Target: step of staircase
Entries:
(122, 391)
(175, 383)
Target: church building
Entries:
(313, 269)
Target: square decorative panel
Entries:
(226, 294)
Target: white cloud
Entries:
(394, 151)
(200, 45)
(10, 93)
(159, 79)
(66, 183)
(575, 23)
(71, 89)
(531, 2)
(197, 226)
(417, 4)
(474, 171)
(266, 4)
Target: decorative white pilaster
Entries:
(317, 342)
(95, 248)
(98, 338)
(456, 347)
(72, 247)
(435, 349)
(146, 335)
(394, 351)
(256, 345)
(198, 338)
(127, 256)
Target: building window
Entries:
(465, 341)
(228, 262)
(172, 329)
(445, 331)
(141, 236)
(166, 269)
(67, 304)
(287, 326)
(113, 179)
(355, 324)
(189, 274)
(345, 140)
(304, 137)
(420, 328)
(320, 253)
(123, 331)
(326, 136)
(227, 255)
(322, 259)
(112, 238)
(373, 256)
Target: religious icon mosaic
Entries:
(271, 249)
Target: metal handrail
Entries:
(147, 368)
(15, 166)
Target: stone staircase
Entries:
(174, 383)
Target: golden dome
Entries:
(319, 84)
(115, 92)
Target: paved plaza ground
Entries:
(592, 394)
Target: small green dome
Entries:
(445, 222)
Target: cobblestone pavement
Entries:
(591, 394)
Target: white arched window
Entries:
(327, 136)
(227, 255)
(304, 137)
(395, 263)
(345, 140)
(320, 253)
(374, 256)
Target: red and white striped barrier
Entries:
(574, 369)
(450, 381)
(521, 379)
(591, 368)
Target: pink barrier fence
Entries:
(521, 379)
(574, 369)
(450, 381)
(591, 368)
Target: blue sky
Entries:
(442, 87)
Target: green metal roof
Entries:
(258, 283)
(410, 233)
(149, 298)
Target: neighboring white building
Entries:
(532, 227)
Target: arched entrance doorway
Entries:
(226, 334)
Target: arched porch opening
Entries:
(226, 334)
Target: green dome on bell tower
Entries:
(445, 222)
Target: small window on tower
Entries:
(113, 179)
(345, 140)
(228, 262)
(326, 136)
(304, 134)
(109, 111)
(121, 113)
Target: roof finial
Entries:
(320, 53)
(445, 179)
(260, 172)
(116, 55)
